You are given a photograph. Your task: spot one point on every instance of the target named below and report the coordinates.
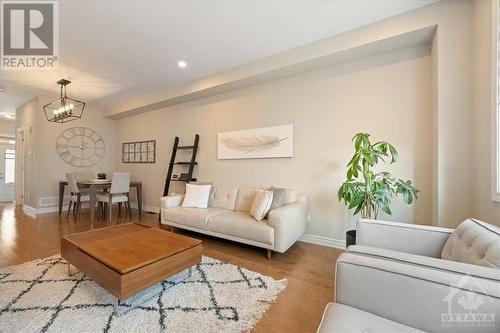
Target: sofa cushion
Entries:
(342, 318)
(474, 242)
(245, 198)
(223, 197)
(242, 225)
(193, 217)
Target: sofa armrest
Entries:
(420, 297)
(172, 201)
(411, 238)
(289, 223)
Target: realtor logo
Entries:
(29, 35)
(466, 309)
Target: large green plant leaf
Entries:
(394, 153)
(366, 189)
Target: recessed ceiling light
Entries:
(182, 64)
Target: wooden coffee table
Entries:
(128, 258)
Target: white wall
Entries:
(484, 207)
(327, 108)
(26, 117)
(7, 126)
(451, 127)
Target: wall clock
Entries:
(80, 146)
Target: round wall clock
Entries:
(80, 146)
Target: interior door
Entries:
(7, 172)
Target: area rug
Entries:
(40, 296)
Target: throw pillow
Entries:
(261, 204)
(279, 197)
(196, 196)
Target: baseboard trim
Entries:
(30, 211)
(33, 212)
(146, 208)
(52, 209)
(152, 209)
(325, 241)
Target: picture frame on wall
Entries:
(268, 142)
(139, 152)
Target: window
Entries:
(10, 165)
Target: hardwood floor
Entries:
(309, 268)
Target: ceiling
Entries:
(117, 50)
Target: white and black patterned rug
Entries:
(39, 296)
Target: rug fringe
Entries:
(263, 304)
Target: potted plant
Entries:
(367, 191)
(101, 175)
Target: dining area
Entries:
(89, 188)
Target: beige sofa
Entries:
(227, 216)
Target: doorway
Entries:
(7, 169)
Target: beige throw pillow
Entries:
(261, 204)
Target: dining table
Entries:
(94, 186)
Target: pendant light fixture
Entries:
(64, 109)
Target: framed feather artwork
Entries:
(268, 142)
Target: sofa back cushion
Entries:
(245, 198)
(474, 242)
(223, 196)
(291, 196)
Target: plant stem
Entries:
(367, 210)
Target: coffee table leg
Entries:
(116, 307)
(190, 272)
(69, 270)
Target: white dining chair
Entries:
(76, 196)
(118, 193)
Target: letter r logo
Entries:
(28, 28)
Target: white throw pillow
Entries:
(196, 196)
(261, 204)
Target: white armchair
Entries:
(396, 275)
